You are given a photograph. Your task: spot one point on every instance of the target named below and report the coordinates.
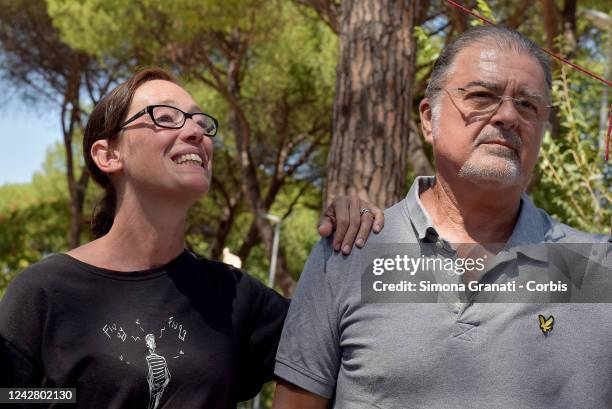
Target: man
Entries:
(485, 111)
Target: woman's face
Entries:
(158, 161)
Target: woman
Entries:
(131, 319)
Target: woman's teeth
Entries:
(190, 157)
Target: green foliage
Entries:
(29, 234)
(574, 186)
(298, 232)
(146, 28)
(428, 47)
(482, 8)
(46, 186)
(51, 182)
(35, 217)
(286, 94)
(575, 181)
(16, 196)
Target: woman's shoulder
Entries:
(47, 270)
(241, 281)
(29, 294)
(225, 272)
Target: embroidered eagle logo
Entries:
(546, 324)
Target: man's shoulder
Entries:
(398, 227)
(558, 232)
(340, 270)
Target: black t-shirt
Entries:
(194, 333)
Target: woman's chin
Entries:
(188, 191)
(197, 191)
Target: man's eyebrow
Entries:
(484, 84)
(496, 87)
(530, 93)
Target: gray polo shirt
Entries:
(443, 355)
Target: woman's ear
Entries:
(106, 156)
(426, 114)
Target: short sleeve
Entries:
(267, 314)
(309, 352)
(22, 315)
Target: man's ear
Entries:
(426, 114)
(106, 156)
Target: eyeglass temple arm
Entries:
(134, 117)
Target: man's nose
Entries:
(506, 115)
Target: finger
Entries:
(379, 218)
(327, 222)
(364, 230)
(325, 226)
(340, 209)
(354, 224)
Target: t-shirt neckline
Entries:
(125, 275)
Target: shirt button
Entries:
(439, 244)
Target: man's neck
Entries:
(472, 213)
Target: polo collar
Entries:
(418, 216)
(529, 228)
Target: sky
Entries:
(25, 133)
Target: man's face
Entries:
(500, 147)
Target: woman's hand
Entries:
(352, 219)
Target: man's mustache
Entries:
(509, 137)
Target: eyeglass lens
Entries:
(170, 117)
(482, 101)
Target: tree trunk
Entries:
(569, 24)
(71, 119)
(78, 189)
(222, 233)
(371, 125)
(252, 193)
(551, 17)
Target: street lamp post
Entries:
(277, 221)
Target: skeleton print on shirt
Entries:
(158, 376)
(157, 365)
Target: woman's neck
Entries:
(141, 237)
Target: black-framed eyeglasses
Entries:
(167, 116)
(480, 101)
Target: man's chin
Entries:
(503, 172)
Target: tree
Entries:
(373, 102)
(259, 64)
(35, 59)
(34, 217)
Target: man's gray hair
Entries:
(504, 37)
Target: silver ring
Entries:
(364, 210)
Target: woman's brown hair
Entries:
(104, 123)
